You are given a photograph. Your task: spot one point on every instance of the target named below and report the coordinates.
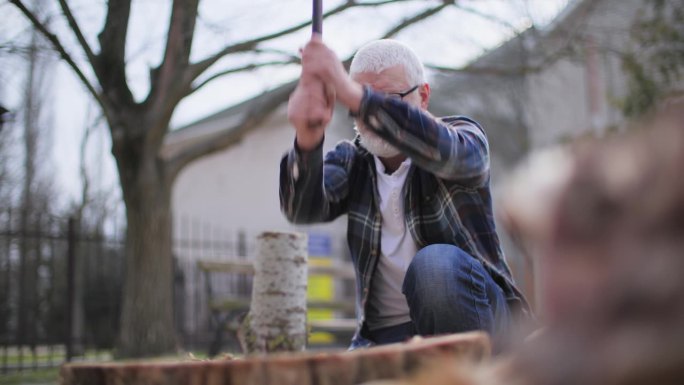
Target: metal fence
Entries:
(195, 240)
(61, 288)
(60, 291)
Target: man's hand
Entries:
(320, 62)
(309, 110)
(322, 80)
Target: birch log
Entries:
(277, 318)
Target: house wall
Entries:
(577, 95)
(236, 190)
(580, 93)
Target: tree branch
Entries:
(508, 70)
(110, 64)
(295, 59)
(83, 166)
(179, 42)
(168, 85)
(201, 66)
(279, 52)
(62, 52)
(412, 20)
(77, 31)
(477, 70)
(289, 59)
(487, 17)
(257, 111)
(247, 67)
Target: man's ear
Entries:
(424, 91)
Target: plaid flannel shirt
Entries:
(446, 195)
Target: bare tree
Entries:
(6, 191)
(6, 182)
(35, 190)
(138, 129)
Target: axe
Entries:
(317, 18)
(317, 29)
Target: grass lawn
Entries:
(47, 359)
(44, 356)
(32, 377)
(51, 376)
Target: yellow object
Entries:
(321, 287)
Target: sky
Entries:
(452, 38)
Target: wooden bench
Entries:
(227, 310)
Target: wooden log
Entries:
(328, 368)
(277, 315)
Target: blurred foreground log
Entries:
(344, 368)
(611, 243)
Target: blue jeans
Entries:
(448, 291)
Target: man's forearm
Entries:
(453, 149)
(350, 94)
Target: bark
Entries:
(147, 326)
(110, 64)
(277, 319)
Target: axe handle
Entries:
(317, 18)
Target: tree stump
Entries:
(331, 368)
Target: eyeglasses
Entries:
(400, 95)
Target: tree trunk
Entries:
(147, 327)
(277, 318)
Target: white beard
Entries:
(375, 144)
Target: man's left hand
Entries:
(320, 61)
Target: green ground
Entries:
(31, 377)
(50, 376)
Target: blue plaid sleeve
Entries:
(312, 190)
(452, 148)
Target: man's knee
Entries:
(446, 290)
(438, 259)
(433, 270)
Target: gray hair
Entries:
(379, 55)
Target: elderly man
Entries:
(415, 189)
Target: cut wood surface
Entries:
(338, 368)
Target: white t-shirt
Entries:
(387, 304)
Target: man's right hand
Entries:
(309, 110)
